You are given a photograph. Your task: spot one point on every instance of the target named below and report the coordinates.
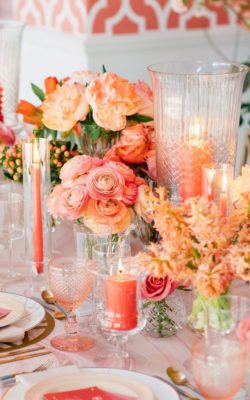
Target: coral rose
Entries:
(133, 145)
(142, 203)
(156, 289)
(109, 212)
(68, 203)
(151, 164)
(112, 98)
(146, 96)
(105, 183)
(77, 166)
(130, 194)
(63, 108)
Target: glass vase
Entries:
(10, 47)
(197, 108)
(37, 221)
(165, 317)
(97, 147)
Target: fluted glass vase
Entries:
(197, 109)
(10, 46)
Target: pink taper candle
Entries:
(37, 209)
(223, 200)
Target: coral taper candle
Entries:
(121, 301)
(195, 154)
(37, 209)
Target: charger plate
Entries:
(160, 390)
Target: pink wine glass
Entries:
(70, 283)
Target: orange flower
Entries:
(50, 84)
(31, 114)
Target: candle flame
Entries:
(195, 130)
(120, 267)
(36, 153)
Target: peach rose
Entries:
(142, 205)
(64, 107)
(110, 212)
(77, 166)
(67, 203)
(146, 95)
(112, 98)
(105, 183)
(133, 144)
(130, 194)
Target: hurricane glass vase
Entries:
(97, 147)
(10, 47)
(197, 109)
(166, 317)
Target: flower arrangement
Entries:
(97, 192)
(197, 246)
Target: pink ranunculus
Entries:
(151, 164)
(7, 135)
(130, 194)
(156, 289)
(110, 212)
(64, 107)
(68, 203)
(146, 96)
(77, 166)
(105, 183)
(243, 329)
(112, 98)
(133, 145)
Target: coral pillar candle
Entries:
(37, 209)
(223, 199)
(121, 301)
(195, 154)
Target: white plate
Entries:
(161, 390)
(10, 302)
(33, 312)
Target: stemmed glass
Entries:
(11, 224)
(70, 282)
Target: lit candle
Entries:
(223, 200)
(194, 155)
(208, 182)
(37, 209)
(121, 301)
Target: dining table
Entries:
(151, 355)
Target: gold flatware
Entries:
(179, 378)
(177, 389)
(59, 315)
(17, 352)
(24, 357)
(48, 297)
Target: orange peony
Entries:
(63, 108)
(112, 98)
(110, 212)
(31, 114)
(133, 145)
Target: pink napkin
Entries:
(4, 312)
(92, 393)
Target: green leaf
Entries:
(139, 118)
(38, 92)
(191, 265)
(247, 78)
(195, 253)
(104, 69)
(241, 120)
(93, 130)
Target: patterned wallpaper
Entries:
(111, 17)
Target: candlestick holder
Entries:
(37, 222)
(120, 309)
(216, 184)
(197, 107)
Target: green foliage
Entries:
(139, 118)
(38, 92)
(104, 69)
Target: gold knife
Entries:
(24, 357)
(17, 352)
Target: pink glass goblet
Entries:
(71, 283)
(219, 366)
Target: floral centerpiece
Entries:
(200, 248)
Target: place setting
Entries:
(124, 217)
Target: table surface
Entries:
(151, 355)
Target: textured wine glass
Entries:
(11, 224)
(70, 283)
(219, 367)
